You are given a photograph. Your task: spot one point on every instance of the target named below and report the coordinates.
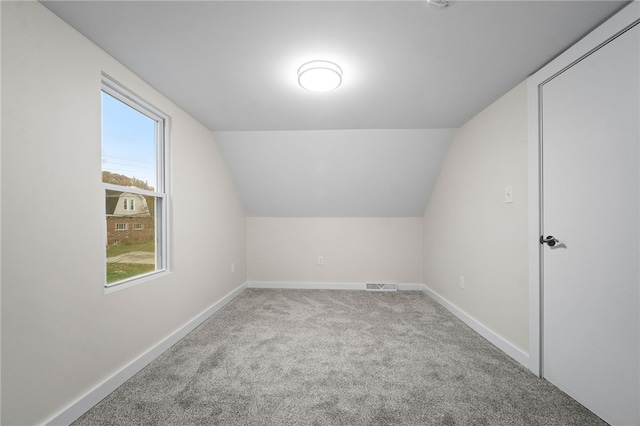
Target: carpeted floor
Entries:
(323, 357)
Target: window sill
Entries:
(121, 285)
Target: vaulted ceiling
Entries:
(232, 65)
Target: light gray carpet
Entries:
(311, 357)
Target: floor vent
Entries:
(382, 287)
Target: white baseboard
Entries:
(296, 285)
(410, 287)
(498, 341)
(74, 410)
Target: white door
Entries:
(591, 204)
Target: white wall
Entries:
(61, 334)
(355, 250)
(469, 230)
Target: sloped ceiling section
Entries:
(335, 173)
(232, 65)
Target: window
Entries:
(134, 173)
(129, 204)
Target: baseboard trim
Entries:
(77, 408)
(410, 287)
(296, 285)
(495, 339)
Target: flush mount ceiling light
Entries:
(439, 4)
(320, 76)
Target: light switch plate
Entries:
(508, 195)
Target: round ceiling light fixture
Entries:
(440, 4)
(319, 76)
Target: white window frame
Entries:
(121, 227)
(161, 193)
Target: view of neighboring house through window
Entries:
(133, 176)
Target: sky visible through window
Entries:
(128, 141)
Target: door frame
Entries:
(605, 32)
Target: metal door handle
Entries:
(550, 240)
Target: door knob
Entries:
(550, 240)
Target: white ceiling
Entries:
(337, 173)
(232, 65)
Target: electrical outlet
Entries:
(233, 268)
(320, 260)
(461, 282)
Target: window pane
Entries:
(134, 135)
(128, 145)
(131, 235)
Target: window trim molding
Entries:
(162, 226)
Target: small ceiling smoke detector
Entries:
(320, 76)
(439, 4)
